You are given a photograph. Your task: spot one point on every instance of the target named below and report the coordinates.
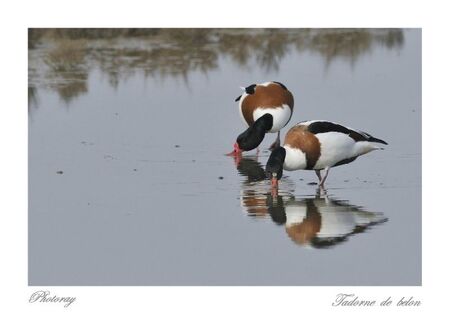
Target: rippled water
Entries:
(129, 185)
(311, 221)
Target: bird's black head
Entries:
(274, 166)
(254, 135)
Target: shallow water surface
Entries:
(129, 184)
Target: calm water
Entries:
(129, 185)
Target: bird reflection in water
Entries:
(317, 221)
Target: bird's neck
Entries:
(263, 124)
(254, 135)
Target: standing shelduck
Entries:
(318, 145)
(265, 108)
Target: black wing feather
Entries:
(282, 85)
(326, 126)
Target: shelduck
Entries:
(265, 108)
(319, 221)
(318, 145)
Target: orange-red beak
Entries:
(274, 183)
(274, 190)
(236, 151)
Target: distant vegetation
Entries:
(61, 58)
(36, 34)
(67, 55)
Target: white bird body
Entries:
(317, 145)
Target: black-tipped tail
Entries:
(370, 138)
(376, 140)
